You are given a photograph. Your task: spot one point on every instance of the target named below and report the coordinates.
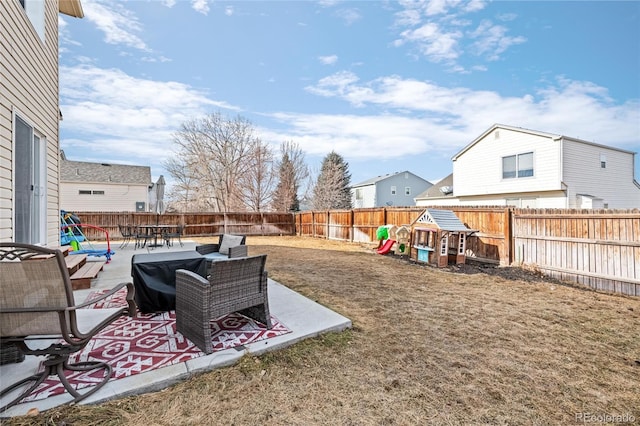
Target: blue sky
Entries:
(390, 86)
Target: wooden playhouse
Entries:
(439, 238)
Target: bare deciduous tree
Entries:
(217, 153)
(256, 184)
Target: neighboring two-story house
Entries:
(397, 189)
(29, 114)
(531, 169)
(104, 187)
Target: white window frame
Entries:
(393, 190)
(407, 190)
(603, 161)
(518, 171)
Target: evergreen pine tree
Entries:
(332, 189)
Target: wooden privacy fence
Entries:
(598, 248)
(195, 224)
(491, 244)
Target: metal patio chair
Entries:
(39, 316)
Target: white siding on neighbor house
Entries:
(116, 197)
(478, 171)
(539, 200)
(29, 87)
(583, 174)
(368, 196)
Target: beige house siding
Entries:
(29, 88)
(111, 187)
(116, 197)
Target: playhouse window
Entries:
(461, 241)
(443, 246)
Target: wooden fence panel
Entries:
(402, 216)
(304, 223)
(491, 243)
(597, 248)
(340, 225)
(320, 222)
(366, 223)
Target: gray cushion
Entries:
(229, 240)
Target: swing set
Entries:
(71, 234)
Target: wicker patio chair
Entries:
(37, 309)
(228, 246)
(232, 285)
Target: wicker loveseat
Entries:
(228, 246)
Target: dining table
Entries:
(156, 230)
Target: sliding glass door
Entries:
(30, 184)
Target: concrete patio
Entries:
(305, 318)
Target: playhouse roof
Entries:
(443, 219)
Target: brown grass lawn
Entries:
(428, 346)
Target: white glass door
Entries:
(30, 185)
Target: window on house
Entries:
(35, 13)
(393, 190)
(517, 166)
(359, 195)
(407, 190)
(603, 161)
(84, 192)
(90, 192)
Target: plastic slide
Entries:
(386, 247)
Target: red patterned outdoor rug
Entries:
(150, 341)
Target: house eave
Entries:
(71, 8)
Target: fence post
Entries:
(508, 236)
(351, 230)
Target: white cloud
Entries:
(200, 6)
(228, 10)
(421, 116)
(349, 16)
(120, 113)
(118, 24)
(492, 40)
(328, 60)
(437, 30)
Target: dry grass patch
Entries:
(428, 347)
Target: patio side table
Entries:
(154, 277)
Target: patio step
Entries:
(75, 262)
(81, 279)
